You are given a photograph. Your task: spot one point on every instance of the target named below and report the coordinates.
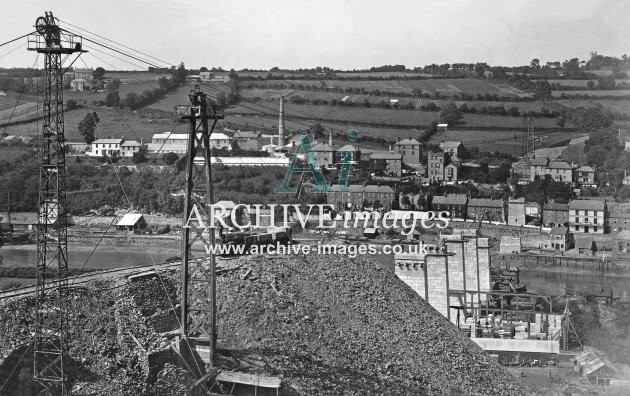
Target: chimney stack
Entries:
(330, 138)
(281, 123)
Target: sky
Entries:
(342, 34)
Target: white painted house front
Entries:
(118, 147)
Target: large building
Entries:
(585, 175)
(117, 147)
(587, 216)
(435, 167)
(177, 143)
(359, 197)
(451, 148)
(555, 214)
(558, 170)
(455, 205)
(410, 149)
(386, 164)
(486, 209)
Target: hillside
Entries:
(326, 326)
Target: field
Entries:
(615, 92)
(380, 74)
(387, 117)
(582, 83)
(505, 142)
(114, 123)
(618, 106)
(123, 90)
(136, 77)
(444, 87)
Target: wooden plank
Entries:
(249, 379)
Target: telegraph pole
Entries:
(198, 298)
(50, 345)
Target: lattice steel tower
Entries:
(198, 298)
(52, 252)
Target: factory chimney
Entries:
(281, 123)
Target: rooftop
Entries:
(559, 165)
(130, 219)
(407, 142)
(322, 147)
(584, 243)
(449, 200)
(539, 162)
(585, 168)
(348, 147)
(485, 202)
(386, 156)
(587, 204)
(444, 145)
(559, 231)
(107, 141)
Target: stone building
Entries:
(410, 150)
(587, 216)
(486, 209)
(455, 205)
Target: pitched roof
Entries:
(584, 243)
(130, 219)
(131, 143)
(587, 204)
(556, 206)
(539, 162)
(19, 218)
(108, 141)
(485, 202)
(625, 234)
(246, 135)
(449, 200)
(585, 168)
(559, 165)
(589, 361)
(386, 156)
(322, 147)
(407, 142)
(559, 231)
(444, 145)
(219, 136)
(348, 147)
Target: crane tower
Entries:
(50, 348)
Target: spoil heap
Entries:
(333, 325)
(329, 325)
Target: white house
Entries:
(177, 143)
(118, 147)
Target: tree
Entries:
(98, 73)
(449, 114)
(71, 104)
(87, 126)
(115, 84)
(535, 63)
(316, 131)
(560, 121)
(140, 156)
(170, 158)
(112, 98)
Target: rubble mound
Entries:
(334, 325)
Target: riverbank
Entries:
(563, 264)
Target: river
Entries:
(108, 256)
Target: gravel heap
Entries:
(333, 325)
(326, 326)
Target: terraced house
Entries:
(558, 170)
(359, 197)
(587, 216)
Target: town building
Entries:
(451, 172)
(103, 147)
(356, 197)
(455, 205)
(410, 149)
(559, 239)
(18, 221)
(116, 147)
(587, 216)
(248, 140)
(486, 209)
(354, 156)
(521, 171)
(622, 241)
(558, 170)
(435, 167)
(129, 147)
(324, 154)
(516, 212)
(82, 80)
(177, 143)
(132, 222)
(451, 147)
(555, 214)
(618, 217)
(386, 164)
(585, 246)
(585, 175)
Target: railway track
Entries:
(92, 276)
